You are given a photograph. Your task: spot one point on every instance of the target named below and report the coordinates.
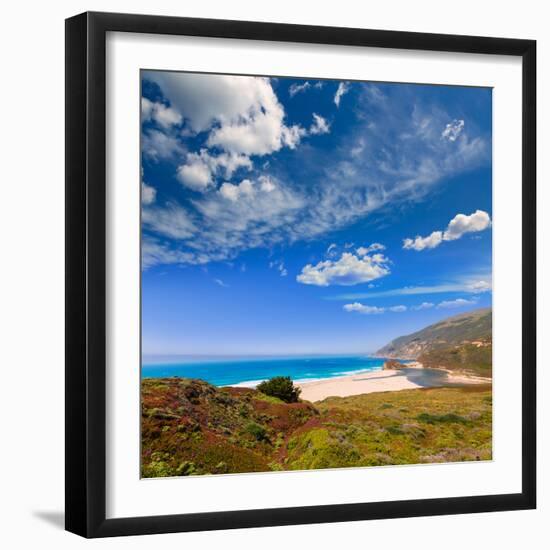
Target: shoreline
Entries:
(413, 376)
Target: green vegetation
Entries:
(474, 358)
(474, 326)
(459, 343)
(280, 387)
(190, 428)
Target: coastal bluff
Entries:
(459, 343)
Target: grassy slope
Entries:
(470, 326)
(191, 427)
(448, 344)
(465, 357)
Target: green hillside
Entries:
(474, 326)
(190, 427)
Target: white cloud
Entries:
(363, 250)
(347, 271)
(236, 217)
(398, 158)
(164, 116)
(200, 168)
(219, 282)
(480, 286)
(170, 221)
(319, 126)
(196, 175)
(473, 284)
(458, 226)
(424, 305)
(148, 193)
(297, 88)
(260, 135)
(420, 243)
(369, 310)
(459, 302)
(343, 88)
(242, 114)
(363, 309)
(158, 145)
(234, 191)
(462, 224)
(153, 252)
(230, 163)
(452, 130)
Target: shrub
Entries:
(442, 418)
(282, 388)
(257, 431)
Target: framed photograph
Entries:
(300, 274)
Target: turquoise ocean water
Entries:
(249, 371)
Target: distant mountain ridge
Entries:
(473, 328)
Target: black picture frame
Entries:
(86, 274)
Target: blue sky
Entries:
(292, 216)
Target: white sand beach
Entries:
(379, 381)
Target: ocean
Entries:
(250, 371)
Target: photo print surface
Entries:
(316, 274)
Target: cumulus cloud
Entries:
(349, 270)
(458, 226)
(369, 310)
(480, 286)
(452, 130)
(319, 126)
(261, 134)
(158, 112)
(459, 302)
(196, 174)
(424, 305)
(199, 170)
(420, 243)
(365, 310)
(242, 114)
(233, 191)
(343, 88)
(462, 224)
(247, 188)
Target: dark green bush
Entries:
(282, 388)
(257, 431)
(442, 418)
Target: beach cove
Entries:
(412, 377)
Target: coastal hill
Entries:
(190, 427)
(462, 342)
